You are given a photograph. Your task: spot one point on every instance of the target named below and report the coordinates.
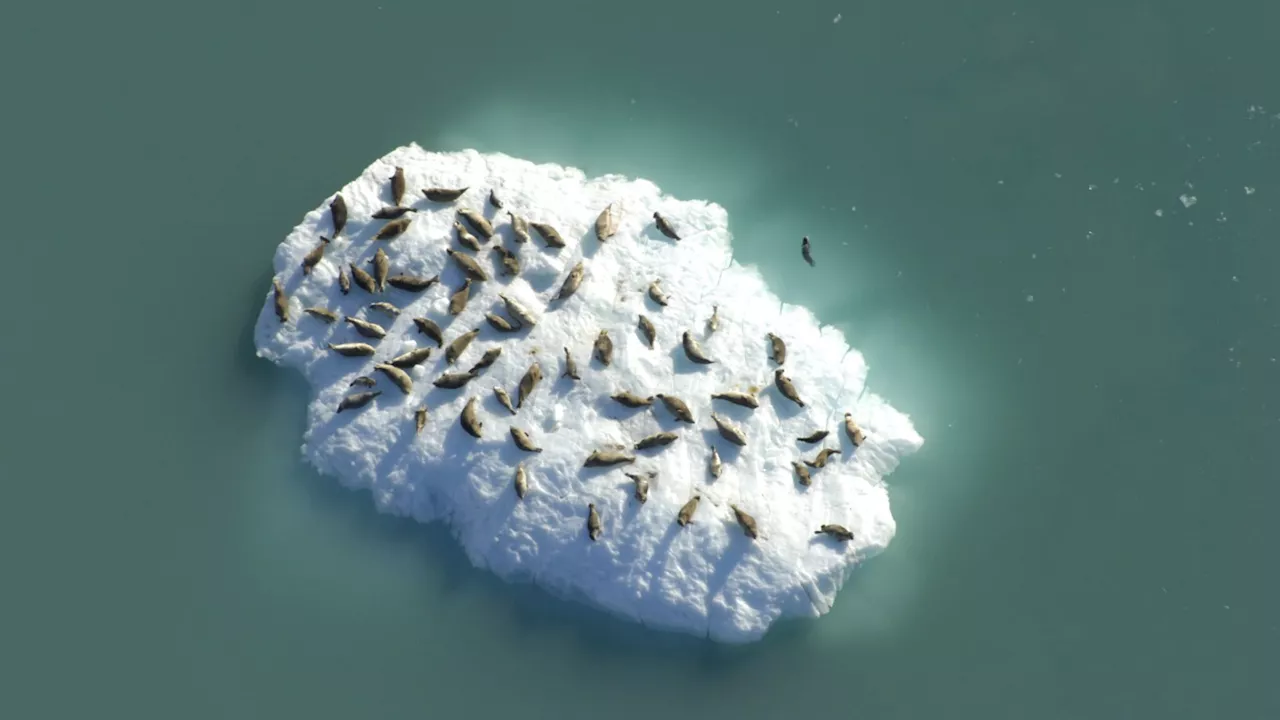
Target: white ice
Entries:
(707, 578)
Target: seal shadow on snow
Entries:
(729, 452)
(395, 455)
(723, 567)
(614, 410)
(682, 365)
(782, 407)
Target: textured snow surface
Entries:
(707, 578)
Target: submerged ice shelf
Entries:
(706, 578)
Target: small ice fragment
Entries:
(837, 19)
(1092, 187)
(1159, 213)
(1187, 200)
(1249, 191)
(1031, 298)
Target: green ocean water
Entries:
(1087, 532)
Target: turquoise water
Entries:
(1086, 533)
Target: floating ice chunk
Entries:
(1187, 200)
(708, 578)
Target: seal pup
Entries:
(777, 349)
(381, 266)
(458, 300)
(499, 323)
(453, 381)
(570, 367)
(393, 229)
(523, 441)
(363, 279)
(411, 358)
(470, 422)
(522, 482)
(802, 473)
(657, 440)
(549, 234)
(606, 223)
(642, 485)
(344, 282)
(603, 348)
(593, 522)
(412, 283)
(656, 294)
(311, 259)
(385, 308)
(665, 226)
(363, 381)
(650, 332)
(631, 400)
(419, 420)
(494, 201)
(356, 349)
(821, 460)
(338, 213)
(839, 532)
(488, 358)
(397, 186)
(519, 228)
(442, 195)
(468, 265)
(693, 350)
(856, 436)
(459, 345)
(746, 400)
(605, 458)
(745, 521)
(685, 515)
(713, 322)
(430, 329)
(676, 407)
(510, 261)
(815, 436)
(716, 466)
(805, 251)
(465, 238)
(324, 314)
(477, 222)
(504, 399)
(392, 213)
(518, 311)
(366, 328)
(357, 400)
(729, 431)
(571, 281)
(786, 388)
(281, 300)
(397, 376)
(528, 383)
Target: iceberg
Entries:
(407, 443)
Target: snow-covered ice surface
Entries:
(708, 578)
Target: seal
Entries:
(494, 201)
(656, 294)
(499, 323)
(504, 399)
(522, 482)
(381, 266)
(324, 314)
(392, 213)
(661, 439)
(528, 383)
(593, 522)
(338, 213)
(412, 283)
(430, 329)
(685, 515)
(603, 348)
(311, 259)
(419, 419)
(363, 381)
(716, 466)
(676, 407)
(468, 265)
(642, 485)
(411, 358)
(523, 441)
(664, 225)
(856, 436)
(821, 460)
(777, 349)
(458, 300)
(393, 229)
(632, 400)
(606, 223)
(344, 282)
(519, 228)
(786, 388)
(510, 261)
(649, 331)
(470, 422)
(443, 195)
(385, 308)
(746, 400)
(518, 311)
(802, 473)
(693, 350)
(729, 431)
(356, 401)
(815, 436)
(490, 356)
(465, 238)
(356, 349)
(549, 234)
(281, 300)
(713, 322)
(606, 458)
(746, 522)
(397, 186)
(839, 532)
(459, 346)
(363, 279)
(453, 381)
(366, 328)
(806, 251)
(477, 222)
(570, 367)
(571, 282)
(397, 376)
